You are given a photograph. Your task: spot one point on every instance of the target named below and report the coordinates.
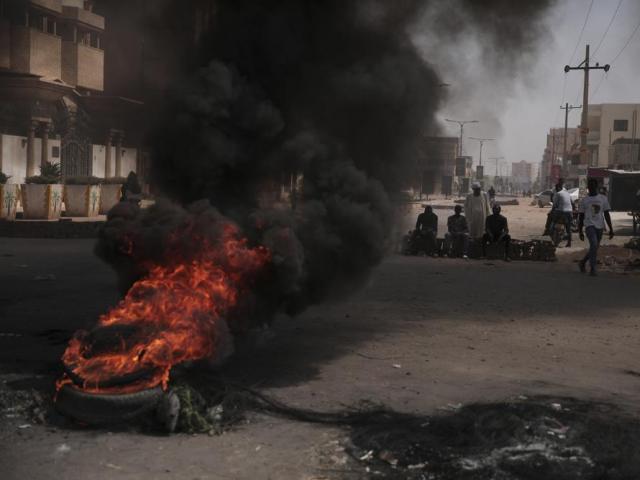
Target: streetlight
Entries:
(462, 123)
(497, 159)
(481, 140)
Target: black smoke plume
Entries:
(332, 94)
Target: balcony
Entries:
(35, 52)
(84, 16)
(83, 66)
(52, 5)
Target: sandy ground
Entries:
(423, 334)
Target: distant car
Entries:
(544, 199)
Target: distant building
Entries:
(607, 123)
(552, 158)
(522, 175)
(624, 154)
(437, 163)
(53, 107)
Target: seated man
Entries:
(426, 231)
(497, 230)
(458, 230)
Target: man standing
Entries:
(562, 209)
(476, 208)
(492, 196)
(594, 211)
(457, 230)
(427, 230)
(497, 230)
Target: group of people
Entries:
(482, 223)
(488, 225)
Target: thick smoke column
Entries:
(335, 91)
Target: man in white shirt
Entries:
(594, 211)
(563, 209)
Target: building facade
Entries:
(437, 162)
(53, 107)
(607, 123)
(522, 175)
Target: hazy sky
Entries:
(520, 123)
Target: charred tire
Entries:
(101, 409)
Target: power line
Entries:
(581, 32)
(608, 27)
(620, 52)
(633, 34)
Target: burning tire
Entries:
(101, 409)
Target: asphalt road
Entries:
(423, 334)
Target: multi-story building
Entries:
(553, 156)
(522, 175)
(607, 123)
(437, 164)
(53, 107)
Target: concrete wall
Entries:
(13, 155)
(601, 133)
(69, 63)
(82, 66)
(98, 155)
(46, 51)
(5, 44)
(20, 46)
(35, 52)
(129, 161)
(90, 68)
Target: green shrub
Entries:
(4, 178)
(51, 170)
(42, 180)
(82, 180)
(113, 181)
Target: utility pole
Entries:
(565, 160)
(497, 159)
(481, 140)
(584, 129)
(462, 123)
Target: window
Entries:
(620, 125)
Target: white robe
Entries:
(477, 209)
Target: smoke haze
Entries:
(339, 93)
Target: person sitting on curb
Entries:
(496, 231)
(458, 230)
(426, 231)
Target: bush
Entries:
(42, 180)
(51, 170)
(83, 180)
(113, 181)
(50, 173)
(4, 178)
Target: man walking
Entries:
(562, 209)
(476, 209)
(594, 211)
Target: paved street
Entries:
(423, 334)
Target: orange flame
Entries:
(175, 310)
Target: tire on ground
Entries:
(101, 409)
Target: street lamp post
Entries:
(481, 140)
(497, 159)
(462, 123)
